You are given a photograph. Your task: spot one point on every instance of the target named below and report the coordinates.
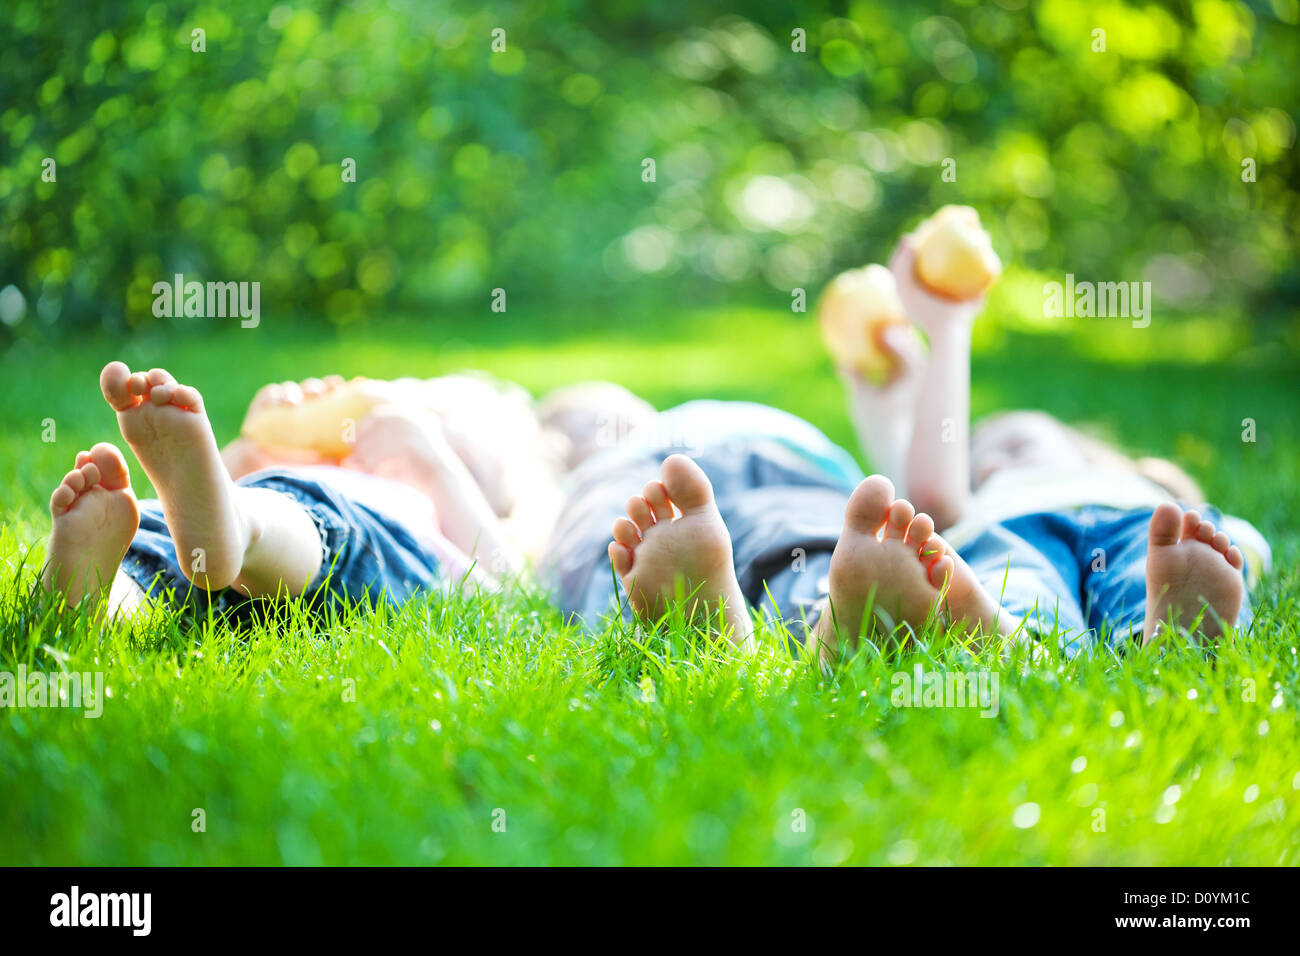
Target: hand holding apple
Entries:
(954, 255)
(861, 316)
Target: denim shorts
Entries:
(366, 554)
(1080, 572)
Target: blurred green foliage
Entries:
(525, 169)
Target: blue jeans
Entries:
(366, 554)
(1081, 573)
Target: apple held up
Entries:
(859, 310)
(954, 255)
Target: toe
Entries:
(657, 497)
(638, 509)
(138, 384)
(113, 383)
(1163, 530)
(62, 499)
(82, 458)
(1205, 531)
(160, 376)
(919, 531)
(1220, 542)
(1234, 557)
(868, 506)
(932, 551)
(621, 557)
(161, 393)
(901, 514)
(312, 387)
(687, 485)
(89, 474)
(940, 573)
(1191, 521)
(626, 534)
(113, 473)
(75, 480)
(187, 396)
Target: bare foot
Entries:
(1191, 567)
(659, 557)
(889, 555)
(166, 427)
(95, 516)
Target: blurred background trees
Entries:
(524, 169)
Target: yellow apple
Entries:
(325, 424)
(855, 310)
(954, 255)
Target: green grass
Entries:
(636, 748)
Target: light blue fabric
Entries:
(706, 423)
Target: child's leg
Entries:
(938, 457)
(255, 540)
(883, 415)
(283, 550)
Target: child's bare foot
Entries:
(889, 549)
(653, 552)
(95, 516)
(1191, 566)
(165, 425)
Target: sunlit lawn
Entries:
(618, 749)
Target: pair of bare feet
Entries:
(94, 510)
(890, 561)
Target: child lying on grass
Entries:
(1061, 534)
(406, 514)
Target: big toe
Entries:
(868, 506)
(686, 483)
(113, 473)
(113, 383)
(1165, 525)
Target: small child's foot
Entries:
(165, 425)
(95, 516)
(655, 553)
(889, 555)
(1191, 566)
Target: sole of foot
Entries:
(1192, 568)
(164, 423)
(889, 558)
(660, 557)
(94, 516)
